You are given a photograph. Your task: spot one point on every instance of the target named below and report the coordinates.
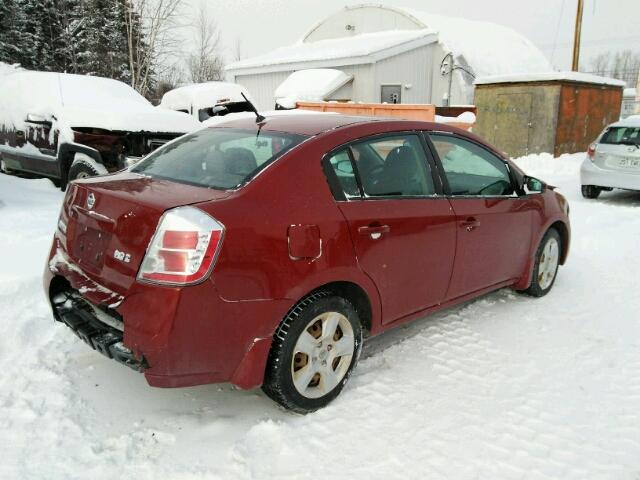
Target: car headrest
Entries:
(239, 161)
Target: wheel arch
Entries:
(66, 156)
(563, 230)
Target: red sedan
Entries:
(263, 253)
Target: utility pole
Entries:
(576, 37)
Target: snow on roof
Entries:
(550, 76)
(362, 48)
(84, 101)
(488, 48)
(630, 121)
(203, 95)
(8, 69)
(312, 85)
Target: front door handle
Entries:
(470, 224)
(375, 231)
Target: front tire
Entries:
(591, 191)
(315, 349)
(546, 265)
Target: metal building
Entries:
(395, 55)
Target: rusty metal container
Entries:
(555, 115)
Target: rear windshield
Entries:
(622, 136)
(217, 158)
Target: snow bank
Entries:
(311, 85)
(8, 69)
(82, 101)
(464, 117)
(504, 387)
(203, 95)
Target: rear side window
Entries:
(343, 168)
(394, 166)
(217, 158)
(622, 136)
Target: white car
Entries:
(613, 160)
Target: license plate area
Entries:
(631, 163)
(90, 245)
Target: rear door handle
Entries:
(470, 224)
(375, 231)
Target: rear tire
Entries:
(591, 191)
(314, 350)
(81, 170)
(545, 269)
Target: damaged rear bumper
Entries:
(90, 326)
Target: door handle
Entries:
(470, 224)
(375, 231)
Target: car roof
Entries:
(312, 124)
(632, 121)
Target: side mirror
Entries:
(37, 119)
(533, 185)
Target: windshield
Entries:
(622, 136)
(217, 158)
(85, 92)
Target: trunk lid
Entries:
(621, 158)
(111, 220)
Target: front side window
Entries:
(217, 158)
(470, 169)
(393, 166)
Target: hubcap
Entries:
(322, 355)
(548, 265)
(82, 175)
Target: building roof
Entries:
(488, 48)
(577, 77)
(484, 48)
(358, 49)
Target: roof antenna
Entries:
(260, 120)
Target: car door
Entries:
(403, 231)
(494, 223)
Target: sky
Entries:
(259, 26)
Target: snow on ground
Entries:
(505, 387)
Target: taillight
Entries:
(184, 248)
(591, 151)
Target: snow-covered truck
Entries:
(65, 126)
(204, 101)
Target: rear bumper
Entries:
(591, 174)
(176, 336)
(74, 311)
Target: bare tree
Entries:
(151, 26)
(599, 64)
(623, 65)
(205, 63)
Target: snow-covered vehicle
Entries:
(208, 100)
(65, 126)
(613, 160)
